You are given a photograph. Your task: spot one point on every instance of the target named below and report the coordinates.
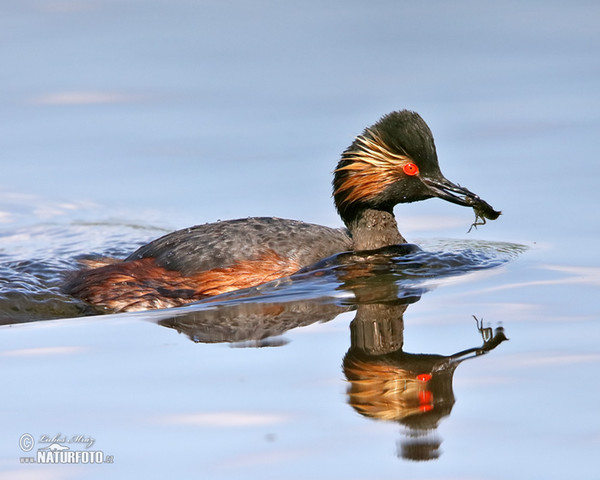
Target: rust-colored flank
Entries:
(142, 284)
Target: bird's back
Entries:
(224, 243)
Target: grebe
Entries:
(393, 161)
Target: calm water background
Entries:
(122, 120)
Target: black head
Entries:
(395, 161)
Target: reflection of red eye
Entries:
(410, 169)
(425, 397)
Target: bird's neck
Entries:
(372, 229)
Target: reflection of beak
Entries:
(445, 189)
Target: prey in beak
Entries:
(440, 187)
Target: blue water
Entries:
(121, 121)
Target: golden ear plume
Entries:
(370, 168)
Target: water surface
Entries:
(122, 121)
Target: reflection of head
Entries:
(414, 390)
(399, 387)
(384, 391)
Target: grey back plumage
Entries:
(222, 244)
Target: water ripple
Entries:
(34, 262)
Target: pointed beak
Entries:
(442, 188)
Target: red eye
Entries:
(410, 169)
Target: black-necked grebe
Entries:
(393, 161)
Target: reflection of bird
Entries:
(393, 161)
(254, 324)
(415, 390)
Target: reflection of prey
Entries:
(414, 390)
(386, 383)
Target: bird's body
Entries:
(193, 263)
(393, 161)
